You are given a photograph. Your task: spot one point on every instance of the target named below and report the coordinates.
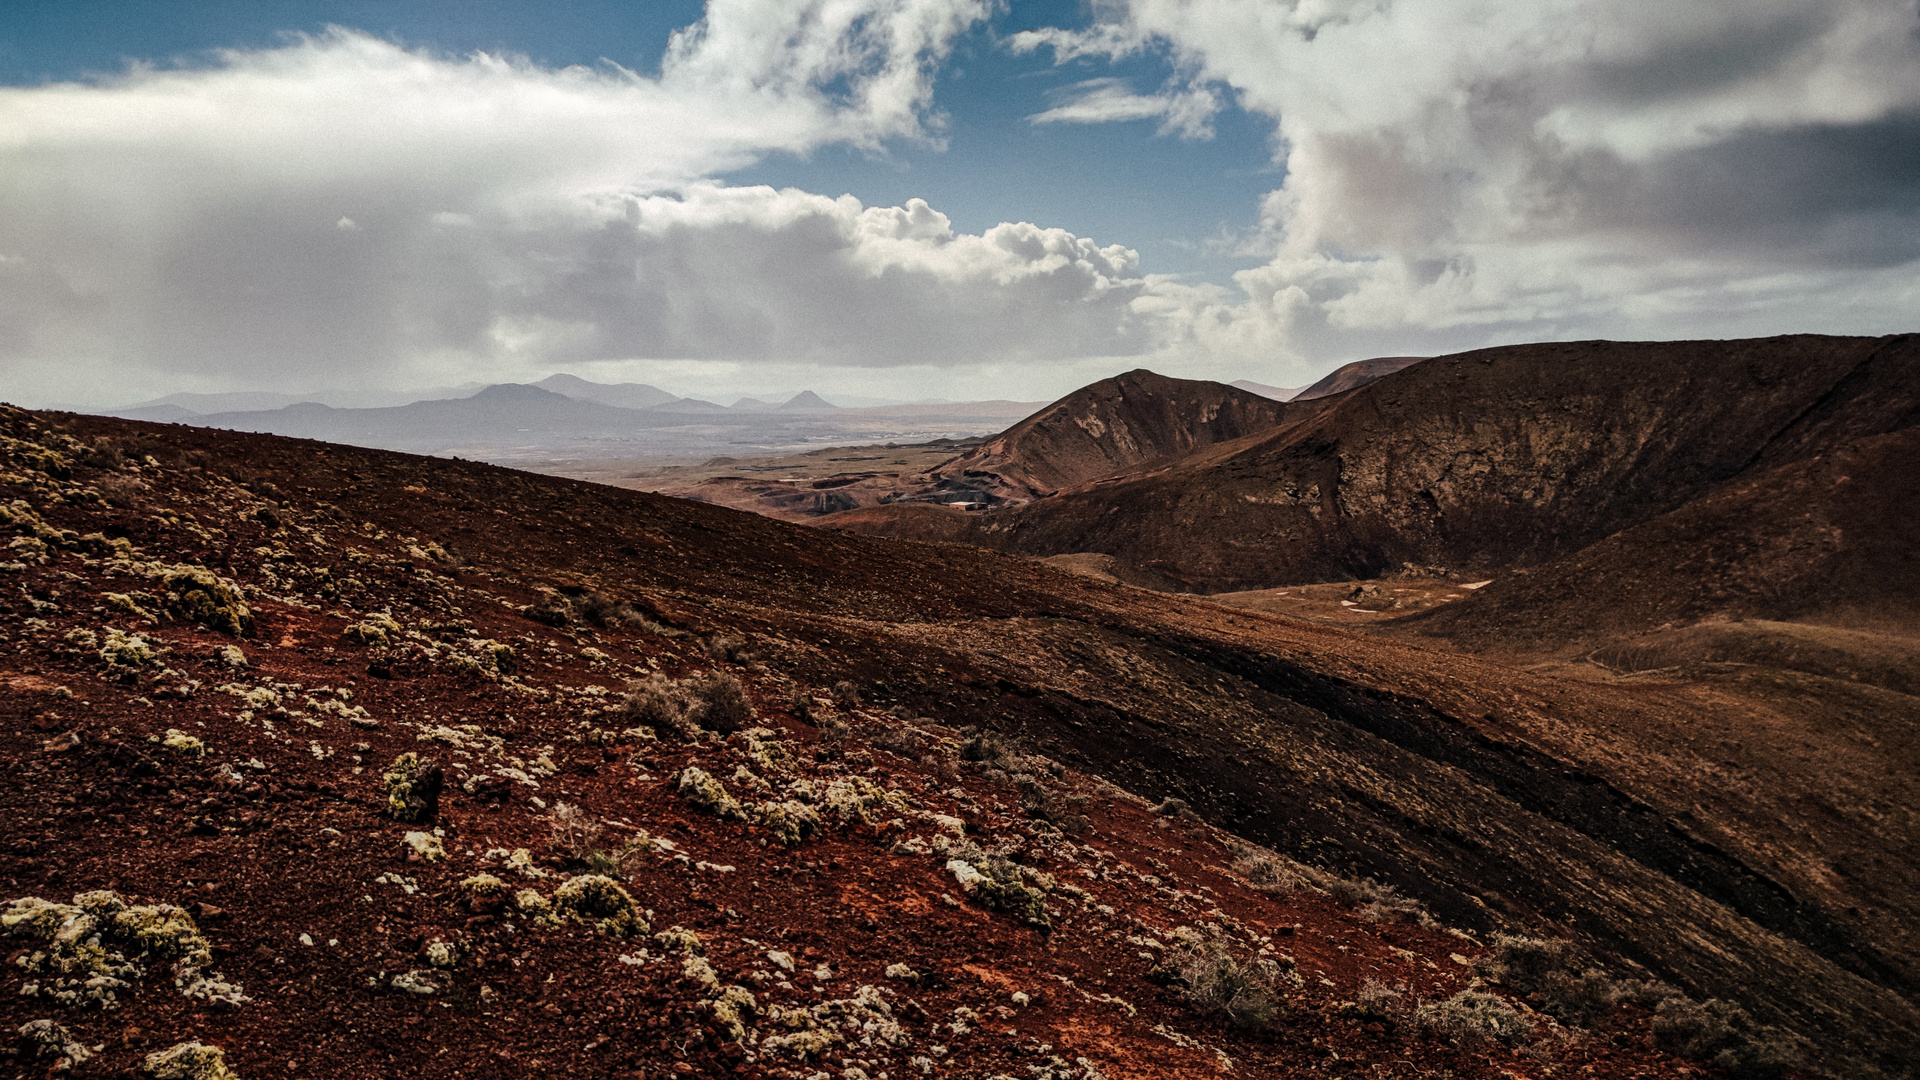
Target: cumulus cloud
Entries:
(1466, 170)
(1455, 172)
(721, 273)
(344, 207)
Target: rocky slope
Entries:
(1826, 539)
(1114, 427)
(1480, 462)
(241, 667)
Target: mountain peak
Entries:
(515, 392)
(807, 399)
(619, 395)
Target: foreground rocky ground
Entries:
(350, 764)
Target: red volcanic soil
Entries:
(218, 645)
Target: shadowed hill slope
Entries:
(1829, 538)
(1479, 462)
(1355, 375)
(1501, 798)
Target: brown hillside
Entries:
(1355, 375)
(1479, 462)
(1112, 427)
(1829, 539)
(219, 645)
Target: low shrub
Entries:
(903, 741)
(1219, 980)
(413, 786)
(1174, 808)
(720, 702)
(575, 832)
(1723, 1035)
(1549, 973)
(188, 1061)
(715, 700)
(602, 902)
(1473, 1018)
(731, 650)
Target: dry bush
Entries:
(1266, 870)
(846, 695)
(1473, 1018)
(714, 700)
(800, 705)
(1380, 1002)
(551, 609)
(1174, 808)
(720, 702)
(661, 704)
(1722, 1034)
(731, 650)
(575, 832)
(125, 492)
(105, 453)
(1222, 981)
(833, 738)
(1549, 973)
(903, 741)
(1377, 902)
(989, 750)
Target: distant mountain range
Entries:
(565, 416)
(568, 416)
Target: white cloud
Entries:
(344, 207)
(1459, 171)
(724, 273)
(1185, 111)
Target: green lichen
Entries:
(51, 1039)
(789, 820)
(379, 628)
(858, 798)
(529, 902)
(680, 939)
(732, 1009)
(413, 787)
(764, 748)
(602, 902)
(708, 794)
(189, 1061)
(127, 650)
(996, 883)
(199, 595)
(812, 1031)
(485, 885)
(98, 945)
(425, 845)
(182, 743)
(127, 605)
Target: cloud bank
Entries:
(1451, 173)
(1468, 170)
(347, 208)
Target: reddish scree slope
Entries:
(1494, 795)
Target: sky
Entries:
(930, 198)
